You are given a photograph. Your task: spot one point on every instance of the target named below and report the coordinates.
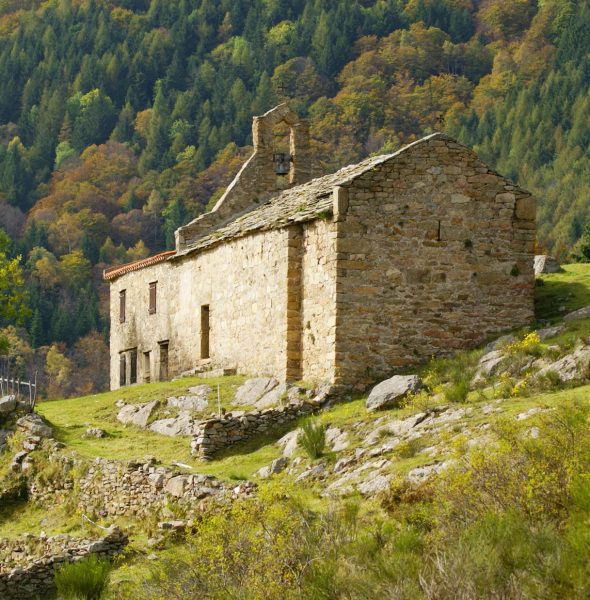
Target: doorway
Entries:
(163, 361)
(205, 331)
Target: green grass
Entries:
(71, 418)
(569, 291)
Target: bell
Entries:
(281, 161)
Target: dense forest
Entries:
(122, 119)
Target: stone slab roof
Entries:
(114, 272)
(299, 204)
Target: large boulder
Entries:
(391, 392)
(546, 264)
(7, 404)
(137, 414)
(254, 389)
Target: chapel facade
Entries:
(345, 279)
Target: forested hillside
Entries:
(122, 119)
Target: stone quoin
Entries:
(347, 278)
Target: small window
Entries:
(122, 370)
(163, 361)
(146, 367)
(122, 299)
(133, 366)
(153, 292)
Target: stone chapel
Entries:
(345, 279)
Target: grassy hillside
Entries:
(486, 482)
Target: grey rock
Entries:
(549, 332)
(546, 264)
(273, 397)
(571, 367)
(390, 392)
(377, 482)
(7, 404)
(343, 463)
(499, 343)
(312, 472)
(181, 425)
(337, 438)
(95, 432)
(254, 389)
(582, 313)
(289, 442)
(422, 474)
(137, 414)
(528, 414)
(198, 399)
(35, 425)
(176, 486)
(275, 467)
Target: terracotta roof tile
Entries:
(114, 272)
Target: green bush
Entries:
(457, 391)
(83, 580)
(312, 438)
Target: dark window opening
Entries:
(163, 361)
(133, 366)
(438, 233)
(122, 295)
(205, 330)
(146, 367)
(153, 291)
(122, 370)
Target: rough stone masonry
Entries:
(345, 279)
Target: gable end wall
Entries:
(435, 254)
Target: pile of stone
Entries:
(27, 565)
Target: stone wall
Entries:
(257, 299)
(318, 298)
(244, 283)
(217, 434)
(25, 578)
(111, 488)
(435, 254)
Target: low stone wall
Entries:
(109, 488)
(215, 434)
(23, 578)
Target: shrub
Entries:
(458, 390)
(312, 438)
(83, 580)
